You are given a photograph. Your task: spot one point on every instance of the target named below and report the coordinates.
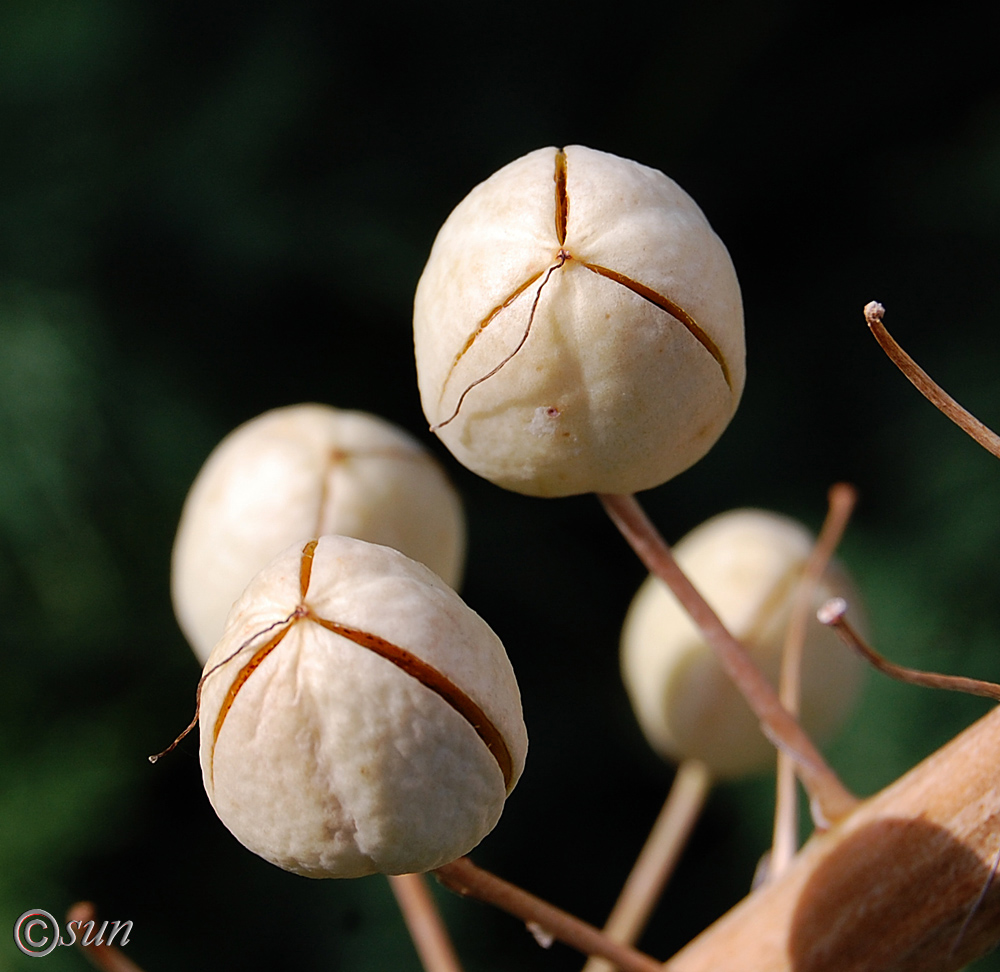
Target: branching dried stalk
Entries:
(841, 501)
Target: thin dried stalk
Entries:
(829, 796)
(657, 859)
(833, 614)
(542, 918)
(900, 885)
(927, 387)
(841, 500)
(423, 921)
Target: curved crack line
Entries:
(482, 327)
(437, 682)
(305, 576)
(244, 673)
(674, 310)
(562, 257)
(561, 221)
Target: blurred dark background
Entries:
(210, 209)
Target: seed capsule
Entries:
(578, 327)
(301, 471)
(357, 716)
(747, 565)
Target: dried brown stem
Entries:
(657, 859)
(830, 798)
(465, 878)
(841, 500)
(927, 387)
(109, 958)
(897, 886)
(833, 614)
(423, 921)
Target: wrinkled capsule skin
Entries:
(370, 722)
(746, 563)
(301, 471)
(578, 327)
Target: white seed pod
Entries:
(578, 327)
(747, 565)
(357, 716)
(303, 471)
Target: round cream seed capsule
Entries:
(747, 565)
(301, 471)
(357, 716)
(578, 327)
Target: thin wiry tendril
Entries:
(212, 671)
(560, 260)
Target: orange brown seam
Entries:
(486, 321)
(562, 200)
(437, 682)
(427, 675)
(674, 310)
(561, 259)
(305, 566)
(305, 575)
(245, 672)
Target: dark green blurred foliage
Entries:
(211, 209)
